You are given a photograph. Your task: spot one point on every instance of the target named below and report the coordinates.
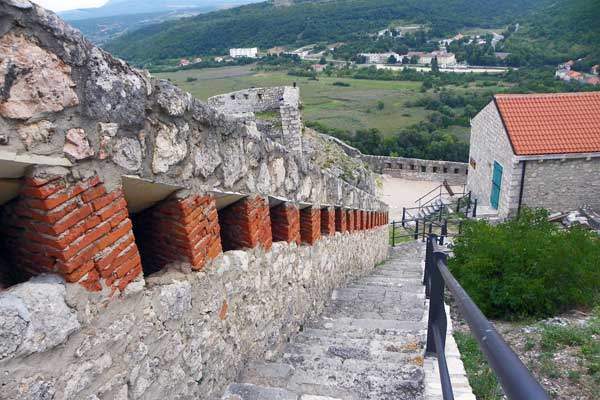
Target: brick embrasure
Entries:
(310, 224)
(327, 221)
(350, 220)
(285, 223)
(74, 229)
(340, 219)
(178, 229)
(246, 224)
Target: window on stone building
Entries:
(435, 169)
(400, 166)
(456, 171)
(412, 167)
(246, 96)
(260, 96)
(445, 170)
(423, 168)
(232, 97)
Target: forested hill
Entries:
(264, 25)
(565, 29)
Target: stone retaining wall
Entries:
(183, 334)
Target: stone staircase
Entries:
(367, 344)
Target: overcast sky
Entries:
(62, 5)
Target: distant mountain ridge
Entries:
(307, 21)
(132, 7)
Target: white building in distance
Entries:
(380, 58)
(244, 52)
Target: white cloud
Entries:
(62, 5)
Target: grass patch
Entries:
(483, 381)
(336, 102)
(401, 235)
(583, 341)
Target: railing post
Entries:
(416, 229)
(444, 231)
(403, 215)
(475, 208)
(437, 313)
(428, 266)
(393, 233)
(458, 205)
(441, 212)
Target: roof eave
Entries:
(559, 156)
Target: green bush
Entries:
(527, 267)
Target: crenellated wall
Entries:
(455, 173)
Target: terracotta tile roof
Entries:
(593, 80)
(551, 123)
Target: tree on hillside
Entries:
(392, 60)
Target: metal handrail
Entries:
(428, 193)
(516, 380)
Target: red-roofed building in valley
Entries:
(536, 150)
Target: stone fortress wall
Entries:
(455, 173)
(119, 194)
(284, 99)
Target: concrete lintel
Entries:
(13, 165)
(224, 199)
(274, 201)
(303, 205)
(141, 194)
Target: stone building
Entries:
(538, 150)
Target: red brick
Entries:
(80, 272)
(44, 191)
(223, 312)
(131, 275)
(103, 201)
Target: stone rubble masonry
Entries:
(285, 223)
(310, 224)
(327, 221)
(350, 220)
(178, 229)
(340, 220)
(74, 229)
(246, 224)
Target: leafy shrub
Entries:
(340, 83)
(527, 266)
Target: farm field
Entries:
(352, 108)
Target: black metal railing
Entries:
(464, 205)
(516, 380)
(420, 229)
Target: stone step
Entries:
(350, 382)
(402, 344)
(368, 325)
(247, 391)
(336, 354)
(368, 343)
